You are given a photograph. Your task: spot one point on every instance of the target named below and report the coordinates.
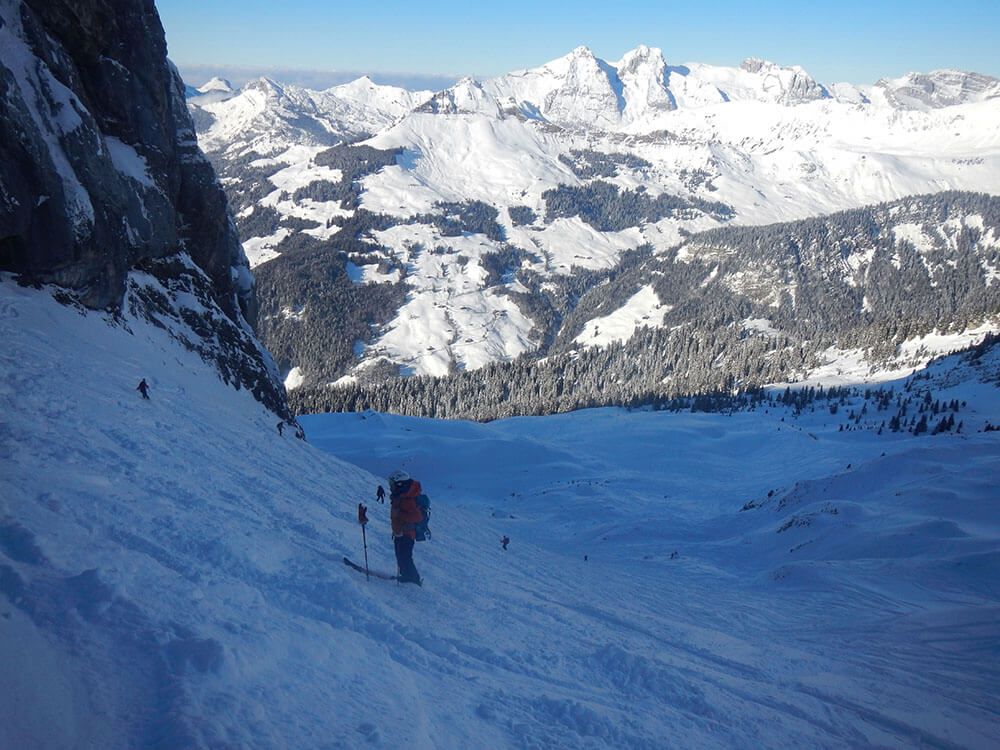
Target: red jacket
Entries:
(404, 512)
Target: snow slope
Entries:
(170, 570)
(137, 539)
(859, 608)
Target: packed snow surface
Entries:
(170, 569)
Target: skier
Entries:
(404, 514)
(143, 388)
(380, 494)
(281, 428)
(504, 541)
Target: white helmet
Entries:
(398, 477)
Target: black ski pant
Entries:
(404, 560)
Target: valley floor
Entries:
(857, 607)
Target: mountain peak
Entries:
(265, 85)
(756, 64)
(779, 83)
(358, 85)
(644, 87)
(216, 84)
(466, 96)
(641, 55)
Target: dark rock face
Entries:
(100, 170)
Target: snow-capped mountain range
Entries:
(752, 145)
(267, 116)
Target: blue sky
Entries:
(850, 40)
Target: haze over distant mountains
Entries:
(240, 75)
(398, 232)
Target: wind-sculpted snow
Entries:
(170, 569)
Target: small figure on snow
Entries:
(143, 388)
(281, 428)
(504, 541)
(405, 514)
(380, 494)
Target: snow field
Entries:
(445, 311)
(170, 568)
(642, 309)
(852, 607)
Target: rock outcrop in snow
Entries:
(938, 89)
(101, 177)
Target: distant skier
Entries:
(405, 514)
(380, 494)
(281, 428)
(504, 541)
(143, 388)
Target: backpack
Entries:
(422, 529)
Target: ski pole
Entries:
(363, 519)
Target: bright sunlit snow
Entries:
(642, 309)
(767, 140)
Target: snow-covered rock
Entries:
(938, 89)
(101, 178)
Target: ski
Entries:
(373, 573)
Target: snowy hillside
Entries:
(137, 539)
(170, 569)
(525, 164)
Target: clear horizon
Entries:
(858, 42)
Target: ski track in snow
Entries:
(171, 569)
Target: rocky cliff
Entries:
(103, 189)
